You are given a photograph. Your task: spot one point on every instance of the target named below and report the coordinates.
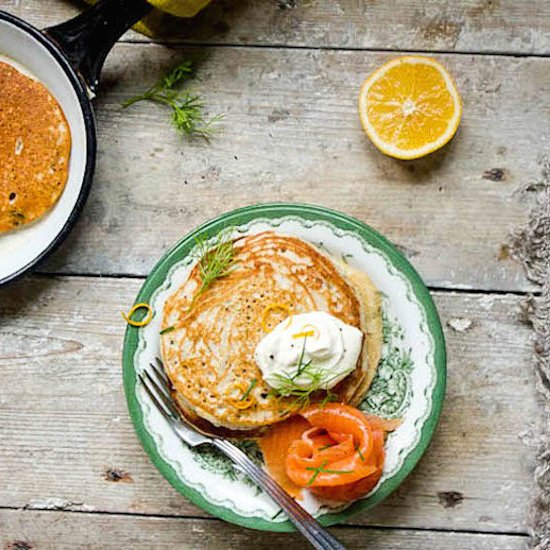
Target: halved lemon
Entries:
(410, 107)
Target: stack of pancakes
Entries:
(210, 350)
(35, 144)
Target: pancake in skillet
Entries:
(35, 143)
(209, 354)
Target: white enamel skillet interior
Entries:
(67, 59)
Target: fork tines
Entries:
(160, 370)
(158, 389)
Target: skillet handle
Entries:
(87, 38)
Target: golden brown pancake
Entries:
(35, 144)
(371, 325)
(209, 355)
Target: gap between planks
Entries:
(191, 517)
(66, 531)
(282, 46)
(431, 288)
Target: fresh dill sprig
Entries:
(302, 396)
(301, 365)
(215, 261)
(249, 389)
(322, 470)
(187, 109)
(314, 378)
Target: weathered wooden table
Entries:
(286, 73)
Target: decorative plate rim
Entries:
(308, 213)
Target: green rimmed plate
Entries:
(410, 383)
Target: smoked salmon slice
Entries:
(334, 450)
(274, 446)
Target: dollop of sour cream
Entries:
(309, 348)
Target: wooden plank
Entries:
(60, 530)
(508, 26)
(64, 423)
(292, 133)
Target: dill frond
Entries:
(314, 382)
(251, 386)
(187, 109)
(323, 470)
(215, 261)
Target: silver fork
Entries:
(158, 388)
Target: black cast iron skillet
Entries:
(67, 59)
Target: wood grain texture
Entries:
(67, 441)
(72, 473)
(507, 26)
(292, 133)
(55, 530)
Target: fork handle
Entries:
(310, 528)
